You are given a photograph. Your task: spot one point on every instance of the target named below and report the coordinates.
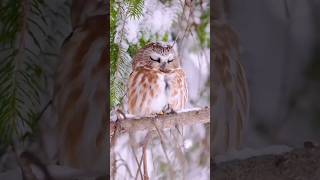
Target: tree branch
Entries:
(161, 121)
(302, 164)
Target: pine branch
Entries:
(121, 11)
(22, 71)
(118, 59)
(161, 121)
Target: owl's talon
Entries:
(160, 113)
(120, 114)
(169, 110)
(172, 112)
(151, 115)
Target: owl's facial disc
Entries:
(162, 61)
(161, 58)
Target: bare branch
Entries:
(161, 121)
(301, 164)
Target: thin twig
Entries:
(113, 142)
(164, 150)
(188, 20)
(139, 163)
(144, 155)
(139, 167)
(44, 110)
(125, 164)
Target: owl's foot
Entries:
(160, 113)
(151, 115)
(120, 114)
(169, 110)
(172, 112)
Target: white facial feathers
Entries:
(163, 58)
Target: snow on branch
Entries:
(161, 121)
(303, 163)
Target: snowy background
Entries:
(179, 154)
(280, 52)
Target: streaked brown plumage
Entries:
(81, 91)
(157, 82)
(230, 95)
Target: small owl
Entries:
(230, 93)
(157, 83)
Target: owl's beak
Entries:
(163, 66)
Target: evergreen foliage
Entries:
(23, 50)
(122, 51)
(120, 59)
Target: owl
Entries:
(157, 83)
(229, 93)
(80, 90)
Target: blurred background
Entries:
(179, 154)
(279, 42)
(31, 34)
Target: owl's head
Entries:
(157, 56)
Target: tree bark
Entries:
(161, 121)
(298, 164)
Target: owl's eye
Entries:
(170, 60)
(157, 60)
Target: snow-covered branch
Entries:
(301, 164)
(161, 121)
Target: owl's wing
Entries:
(123, 106)
(230, 92)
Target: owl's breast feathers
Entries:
(150, 91)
